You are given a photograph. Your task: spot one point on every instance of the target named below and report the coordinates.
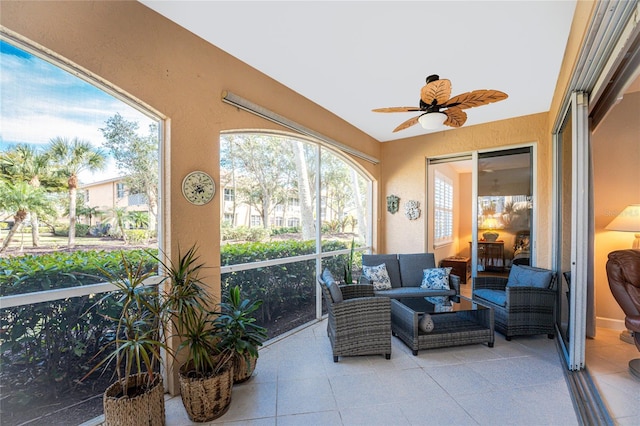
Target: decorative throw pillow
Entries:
(334, 290)
(436, 279)
(426, 323)
(378, 276)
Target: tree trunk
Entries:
(304, 192)
(35, 230)
(72, 217)
(16, 226)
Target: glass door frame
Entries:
(574, 348)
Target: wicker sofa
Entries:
(523, 303)
(406, 273)
(358, 323)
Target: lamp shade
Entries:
(628, 221)
(432, 120)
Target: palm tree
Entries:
(21, 198)
(119, 215)
(74, 156)
(25, 164)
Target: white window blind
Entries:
(443, 210)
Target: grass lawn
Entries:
(22, 244)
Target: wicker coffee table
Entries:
(467, 323)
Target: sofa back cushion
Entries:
(412, 265)
(390, 261)
(529, 276)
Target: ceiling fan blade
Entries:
(410, 122)
(438, 90)
(396, 109)
(456, 117)
(476, 98)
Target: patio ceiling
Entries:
(350, 57)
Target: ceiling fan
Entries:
(437, 108)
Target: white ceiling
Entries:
(352, 56)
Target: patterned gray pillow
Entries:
(378, 276)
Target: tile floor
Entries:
(608, 363)
(297, 383)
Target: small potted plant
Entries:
(236, 326)
(137, 397)
(206, 375)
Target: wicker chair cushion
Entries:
(499, 297)
(528, 276)
(332, 286)
(378, 276)
(436, 279)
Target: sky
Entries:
(40, 101)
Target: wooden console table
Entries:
(490, 255)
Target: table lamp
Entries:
(628, 221)
(490, 224)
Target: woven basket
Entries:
(242, 373)
(144, 409)
(209, 398)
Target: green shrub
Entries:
(82, 230)
(282, 288)
(136, 236)
(54, 341)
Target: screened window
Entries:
(443, 209)
(229, 194)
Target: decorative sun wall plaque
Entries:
(393, 204)
(412, 209)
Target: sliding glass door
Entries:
(572, 245)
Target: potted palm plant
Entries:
(137, 397)
(239, 332)
(206, 374)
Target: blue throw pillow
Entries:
(436, 279)
(529, 276)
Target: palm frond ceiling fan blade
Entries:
(439, 90)
(456, 117)
(410, 122)
(435, 101)
(476, 98)
(396, 109)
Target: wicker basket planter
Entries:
(242, 370)
(144, 409)
(206, 399)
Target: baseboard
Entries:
(610, 323)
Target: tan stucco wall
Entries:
(616, 176)
(404, 174)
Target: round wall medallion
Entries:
(198, 188)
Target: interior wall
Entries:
(616, 176)
(404, 162)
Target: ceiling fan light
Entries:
(432, 120)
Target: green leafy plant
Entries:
(237, 328)
(136, 348)
(188, 307)
(348, 267)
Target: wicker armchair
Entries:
(360, 324)
(519, 310)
